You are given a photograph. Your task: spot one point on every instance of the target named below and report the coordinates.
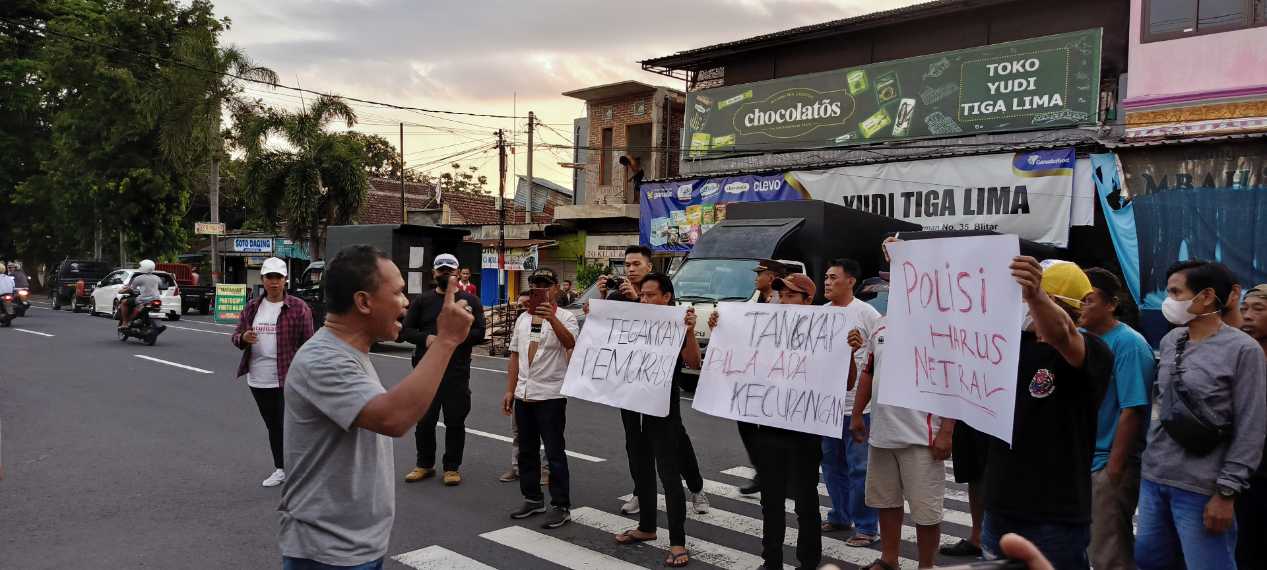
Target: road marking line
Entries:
(507, 439)
(555, 550)
(702, 551)
(832, 548)
(439, 558)
(176, 364)
(198, 330)
(32, 332)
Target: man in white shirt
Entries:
(845, 460)
(539, 346)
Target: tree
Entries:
(463, 180)
(382, 160)
(318, 181)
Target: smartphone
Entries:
(1001, 564)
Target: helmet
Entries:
(146, 266)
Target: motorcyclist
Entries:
(146, 285)
(7, 287)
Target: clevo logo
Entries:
(709, 189)
(684, 192)
(737, 187)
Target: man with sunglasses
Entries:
(454, 394)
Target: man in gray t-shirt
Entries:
(339, 500)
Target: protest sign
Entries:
(626, 355)
(954, 337)
(778, 365)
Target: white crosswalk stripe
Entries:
(556, 551)
(439, 558)
(701, 551)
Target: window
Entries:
(1170, 19)
(605, 159)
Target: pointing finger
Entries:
(450, 290)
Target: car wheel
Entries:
(114, 309)
(151, 338)
(173, 316)
(57, 304)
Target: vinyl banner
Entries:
(673, 215)
(1052, 81)
(1029, 194)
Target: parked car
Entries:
(106, 296)
(193, 296)
(72, 282)
(308, 288)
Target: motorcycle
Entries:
(22, 302)
(142, 327)
(8, 312)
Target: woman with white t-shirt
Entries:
(270, 331)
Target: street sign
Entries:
(253, 245)
(209, 228)
(230, 301)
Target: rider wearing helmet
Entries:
(146, 285)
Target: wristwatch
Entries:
(1227, 492)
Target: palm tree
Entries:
(317, 181)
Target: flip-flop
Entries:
(627, 538)
(677, 560)
(833, 527)
(862, 540)
(879, 564)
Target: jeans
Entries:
(272, 408)
(541, 423)
(289, 563)
(654, 449)
(1064, 544)
(787, 463)
(1172, 531)
(454, 399)
(845, 473)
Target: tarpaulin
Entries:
(673, 215)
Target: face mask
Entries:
(1176, 311)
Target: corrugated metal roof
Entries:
(1187, 140)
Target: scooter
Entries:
(7, 310)
(142, 327)
(22, 302)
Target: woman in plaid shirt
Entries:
(270, 332)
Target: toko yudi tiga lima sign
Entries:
(954, 324)
(778, 365)
(626, 355)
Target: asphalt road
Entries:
(119, 455)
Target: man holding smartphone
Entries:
(454, 395)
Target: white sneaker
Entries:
(631, 507)
(698, 501)
(277, 478)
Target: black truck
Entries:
(73, 280)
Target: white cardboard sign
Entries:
(954, 337)
(626, 355)
(778, 365)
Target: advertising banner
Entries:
(1029, 194)
(230, 302)
(517, 258)
(253, 245)
(626, 355)
(1052, 81)
(954, 340)
(673, 215)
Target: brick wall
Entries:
(615, 114)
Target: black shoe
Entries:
(530, 508)
(961, 548)
(558, 517)
(752, 488)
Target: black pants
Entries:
(1251, 523)
(748, 435)
(787, 462)
(687, 463)
(542, 423)
(454, 399)
(653, 445)
(272, 407)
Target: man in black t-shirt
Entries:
(1040, 486)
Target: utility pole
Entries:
(501, 216)
(213, 191)
(528, 211)
(404, 216)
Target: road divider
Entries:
(176, 364)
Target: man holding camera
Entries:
(454, 395)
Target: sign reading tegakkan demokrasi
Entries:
(1029, 194)
(1052, 81)
(673, 215)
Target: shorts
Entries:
(908, 473)
(968, 448)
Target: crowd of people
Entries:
(1102, 426)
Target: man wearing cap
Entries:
(269, 333)
(1040, 486)
(539, 345)
(768, 271)
(454, 395)
(1251, 505)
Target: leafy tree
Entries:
(463, 180)
(382, 160)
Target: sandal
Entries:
(833, 527)
(628, 537)
(861, 540)
(677, 559)
(879, 564)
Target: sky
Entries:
(494, 57)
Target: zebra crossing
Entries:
(728, 536)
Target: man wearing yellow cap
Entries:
(1040, 486)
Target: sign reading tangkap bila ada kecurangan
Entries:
(1052, 81)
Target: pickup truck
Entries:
(72, 282)
(193, 295)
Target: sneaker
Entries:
(452, 478)
(630, 507)
(698, 501)
(420, 473)
(752, 488)
(530, 508)
(509, 476)
(961, 548)
(277, 478)
(558, 517)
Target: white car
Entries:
(106, 296)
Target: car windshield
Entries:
(715, 280)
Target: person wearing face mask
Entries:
(1208, 421)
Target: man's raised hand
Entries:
(455, 318)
